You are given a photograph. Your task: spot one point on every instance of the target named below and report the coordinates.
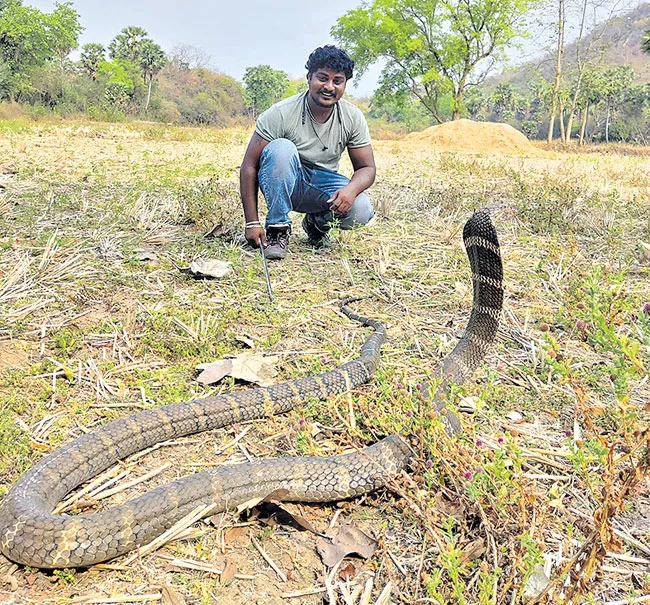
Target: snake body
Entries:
(31, 535)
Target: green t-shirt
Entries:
(320, 144)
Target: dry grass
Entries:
(550, 474)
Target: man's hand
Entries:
(254, 235)
(342, 200)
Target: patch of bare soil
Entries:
(467, 135)
(14, 354)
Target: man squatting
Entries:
(294, 154)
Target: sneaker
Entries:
(315, 237)
(277, 242)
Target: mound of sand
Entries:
(467, 135)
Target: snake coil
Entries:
(31, 535)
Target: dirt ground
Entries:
(98, 321)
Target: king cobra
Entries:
(31, 535)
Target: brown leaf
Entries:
(171, 597)
(474, 550)
(456, 510)
(232, 534)
(344, 540)
(229, 572)
(250, 505)
(349, 572)
(273, 513)
(218, 230)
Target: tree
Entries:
(645, 45)
(618, 80)
(64, 28)
(264, 86)
(29, 37)
(151, 59)
(186, 56)
(92, 55)
(432, 46)
(557, 81)
(592, 17)
(126, 45)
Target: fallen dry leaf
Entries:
(217, 231)
(272, 512)
(171, 597)
(215, 371)
(203, 267)
(249, 505)
(349, 572)
(229, 572)
(232, 534)
(256, 368)
(344, 540)
(474, 550)
(250, 367)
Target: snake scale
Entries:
(31, 535)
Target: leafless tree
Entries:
(186, 56)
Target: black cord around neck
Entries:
(306, 109)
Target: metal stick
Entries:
(266, 270)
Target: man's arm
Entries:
(248, 188)
(363, 162)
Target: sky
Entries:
(236, 34)
(279, 33)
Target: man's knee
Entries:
(280, 153)
(360, 213)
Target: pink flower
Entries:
(479, 443)
(646, 307)
(429, 464)
(409, 413)
(468, 475)
(418, 386)
(568, 433)
(500, 440)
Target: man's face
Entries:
(326, 86)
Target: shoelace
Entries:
(277, 237)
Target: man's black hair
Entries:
(331, 57)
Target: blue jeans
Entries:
(287, 185)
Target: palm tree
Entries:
(645, 45)
(92, 55)
(151, 59)
(126, 45)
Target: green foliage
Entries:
(401, 108)
(264, 86)
(295, 87)
(120, 79)
(92, 55)
(127, 44)
(151, 59)
(29, 38)
(431, 47)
